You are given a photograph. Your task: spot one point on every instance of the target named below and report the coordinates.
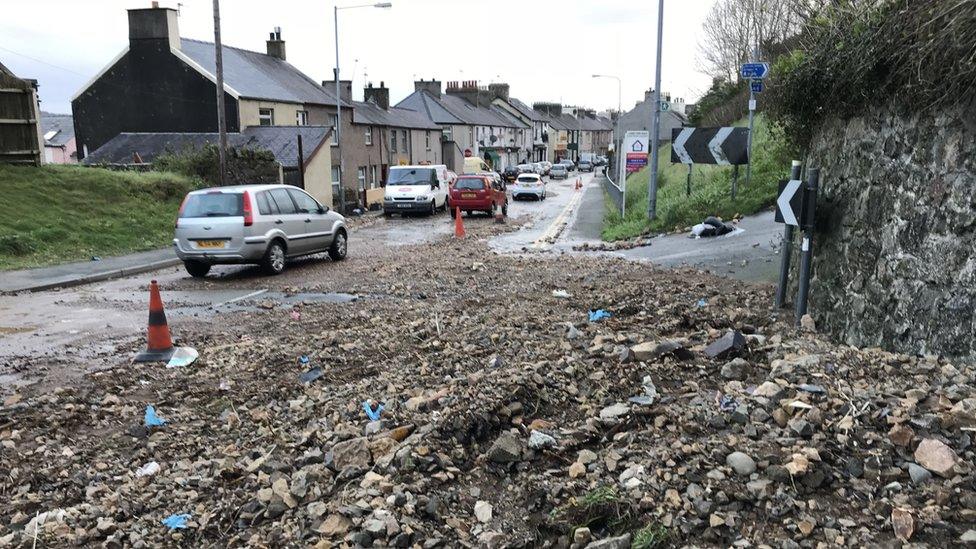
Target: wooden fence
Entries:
(20, 138)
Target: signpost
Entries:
(633, 157)
(754, 72)
(796, 207)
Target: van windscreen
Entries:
(411, 176)
(216, 204)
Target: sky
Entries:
(546, 50)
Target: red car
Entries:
(479, 193)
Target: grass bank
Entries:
(54, 214)
(711, 189)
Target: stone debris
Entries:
(506, 423)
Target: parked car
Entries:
(416, 189)
(600, 161)
(585, 166)
(480, 192)
(570, 165)
(260, 224)
(510, 173)
(526, 168)
(558, 171)
(529, 185)
(546, 166)
(539, 168)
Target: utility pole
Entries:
(221, 111)
(656, 130)
(342, 191)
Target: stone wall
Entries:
(895, 245)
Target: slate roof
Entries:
(450, 109)
(259, 76)
(526, 110)
(369, 112)
(282, 141)
(62, 124)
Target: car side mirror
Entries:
(323, 209)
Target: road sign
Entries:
(756, 86)
(789, 202)
(635, 148)
(754, 70)
(722, 146)
(665, 106)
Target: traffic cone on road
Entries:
(458, 224)
(499, 216)
(579, 183)
(159, 347)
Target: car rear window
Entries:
(283, 201)
(470, 184)
(523, 179)
(216, 204)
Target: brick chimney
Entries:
(499, 90)
(380, 95)
(345, 88)
(276, 46)
(154, 25)
(470, 92)
(433, 86)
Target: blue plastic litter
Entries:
(176, 522)
(701, 303)
(311, 375)
(372, 414)
(153, 420)
(727, 403)
(598, 315)
(303, 359)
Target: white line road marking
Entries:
(679, 145)
(239, 298)
(715, 145)
(552, 233)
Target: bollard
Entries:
(806, 224)
(787, 249)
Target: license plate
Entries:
(467, 195)
(403, 205)
(210, 243)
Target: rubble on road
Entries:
(506, 420)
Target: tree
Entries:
(735, 27)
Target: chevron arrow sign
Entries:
(789, 202)
(722, 146)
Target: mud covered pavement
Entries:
(690, 416)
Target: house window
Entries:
(301, 118)
(266, 117)
(334, 120)
(372, 177)
(427, 138)
(369, 135)
(471, 135)
(448, 133)
(404, 141)
(393, 145)
(335, 174)
(361, 176)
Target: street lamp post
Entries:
(621, 183)
(656, 130)
(338, 136)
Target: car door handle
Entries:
(278, 222)
(308, 221)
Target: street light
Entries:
(342, 194)
(616, 149)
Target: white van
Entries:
(416, 189)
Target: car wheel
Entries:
(505, 209)
(454, 213)
(274, 258)
(197, 269)
(339, 247)
(433, 206)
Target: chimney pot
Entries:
(276, 46)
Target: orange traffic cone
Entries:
(458, 224)
(499, 216)
(159, 348)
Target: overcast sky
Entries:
(546, 50)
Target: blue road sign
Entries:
(756, 86)
(755, 70)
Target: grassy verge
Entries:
(55, 214)
(711, 189)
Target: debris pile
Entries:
(431, 416)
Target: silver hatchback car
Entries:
(262, 224)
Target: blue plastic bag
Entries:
(701, 303)
(153, 420)
(598, 315)
(176, 522)
(373, 415)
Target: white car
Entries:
(529, 185)
(416, 189)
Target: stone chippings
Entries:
(795, 441)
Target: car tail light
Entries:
(179, 213)
(248, 213)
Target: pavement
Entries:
(86, 272)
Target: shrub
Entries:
(244, 165)
(17, 244)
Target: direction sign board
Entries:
(756, 86)
(722, 146)
(789, 202)
(635, 147)
(754, 70)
